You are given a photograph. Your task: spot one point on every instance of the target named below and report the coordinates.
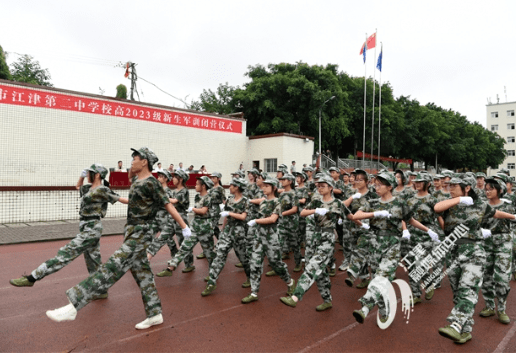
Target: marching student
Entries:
(94, 203)
(288, 223)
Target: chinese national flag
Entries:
(371, 43)
(126, 75)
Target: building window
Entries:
(511, 165)
(510, 126)
(271, 165)
(510, 139)
(511, 153)
(494, 127)
(510, 113)
(494, 115)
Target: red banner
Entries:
(52, 100)
(389, 159)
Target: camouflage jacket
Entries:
(423, 211)
(288, 200)
(406, 193)
(200, 202)
(183, 200)
(239, 206)
(388, 226)
(440, 195)
(310, 184)
(500, 226)
(146, 197)
(481, 193)
(269, 207)
(303, 193)
(339, 184)
(217, 196)
(253, 192)
(471, 216)
(329, 220)
(357, 203)
(94, 201)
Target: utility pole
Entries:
(133, 79)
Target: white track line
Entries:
(503, 344)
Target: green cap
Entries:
(99, 168)
(308, 169)
(500, 182)
(420, 177)
(166, 173)
(272, 181)
(326, 179)
(254, 171)
(333, 169)
(240, 173)
(216, 174)
(302, 175)
(438, 176)
(447, 173)
(148, 154)
(390, 178)
(181, 174)
(505, 171)
(239, 182)
(501, 176)
(207, 181)
(481, 175)
(288, 176)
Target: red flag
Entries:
(371, 43)
(126, 75)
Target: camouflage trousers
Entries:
(513, 252)
(288, 232)
(362, 255)
(132, 255)
(428, 246)
(466, 275)
(86, 242)
(266, 242)
(497, 270)
(231, 237)
(323, 242)
(164, 224)
(302, 230)
(309, 236)
(346, 241)
(387, 255)
(202, 232)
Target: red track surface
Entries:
(219, 322)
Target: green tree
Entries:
(121, 91)
(28, 70)
(220, 101)
(4, 69)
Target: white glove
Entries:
(190, 209)
(339, 221)
(406, 234)
(486, 233)
(251, 223)
(382, 214)
(224, 214)
(356, 196)
(187, 233)
(84, 173)
(433, 235)
(221, 205)
(321, 211)
(466, 200)
(365, 226)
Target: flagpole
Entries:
(374, 87)
(365, 89)
(380, 106)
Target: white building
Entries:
(501, 119)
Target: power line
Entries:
(179, 99)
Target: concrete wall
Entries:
(501, 122)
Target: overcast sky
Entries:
(453, 53)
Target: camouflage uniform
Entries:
(183, 203)
(218, 197)
(146, 197)
(322, 245)
(512, 197)
(423, 212)
(163, 223)
(310, 230)
(93, 208)
(339, 184)
(252, 192)
(232, 236)
(440, 195)
(202, 232)
(302, 193)
(497, 270)
(468, 259)
(362, 242)
(386, 256)
(266, 242)
(406, 193)
(288, 226)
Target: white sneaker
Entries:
(344, 267)
(65, 313)
(151, 321)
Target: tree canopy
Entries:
(4, 69)
(28, 70)
(287, 98)
(121, 91)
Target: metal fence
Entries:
(327, 162)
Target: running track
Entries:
(219, 322)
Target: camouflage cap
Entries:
(148, 154)
(288, 176)
(282, 166)
(327, 180)
(447, 173)
(505, 171)
(360, 171)
(470, 174)
(99, 168)
(308, 169)
(420, 177)
(239, 172)
(216, 174)
(390, 178)
(166, 173)
(438, 176)
(207, 181)
(345, 171)
(333, 169)
(302, 175)
(500, 182)
(501, 176)
(263, 175)
(468, 180)
(481, 175)
(239, 182)
(254, 171)
(272, 181)
(410, 173)
(181, 174)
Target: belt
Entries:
(324, 229)
(89, 218)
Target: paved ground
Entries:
(218, 323)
